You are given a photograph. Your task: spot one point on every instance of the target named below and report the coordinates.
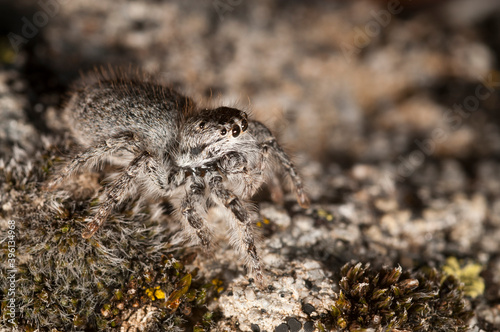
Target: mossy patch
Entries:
(390, 298)
(67, 283)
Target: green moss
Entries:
(388, 299)
(68, 283)
(180, 289)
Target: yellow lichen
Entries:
(325, 214)
(218, 285)
(155, 293)
(467, 274)
(160, 295)
(149, 293)
(264, 221)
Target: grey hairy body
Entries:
(170, 148)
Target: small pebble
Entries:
(249, 294)
(294, 324)
(281, 328)
(308, 327)
(308, 308)
(308, 284)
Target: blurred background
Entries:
(351, 81)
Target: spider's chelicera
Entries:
(196, 158)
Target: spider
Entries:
(167, 147)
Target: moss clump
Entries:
(389, 299)
(65, 282)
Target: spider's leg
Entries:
(195, 197)
(116, 192)
(93, 155)
(166, 179)
(162, 176)
(242, 236)
(271, 147)
(275, 184)
(276, 191)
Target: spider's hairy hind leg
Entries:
(272, 147)
(242, 223)
(93, 155)
(190, 214)
(115, 193)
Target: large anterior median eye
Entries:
(236, 131)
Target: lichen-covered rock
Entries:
(15, 129)
(292, 294)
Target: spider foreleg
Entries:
(189, 208)
(243, 237)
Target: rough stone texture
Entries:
(397, 174)
(283, 296)
(15, 129)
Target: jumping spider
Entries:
(195, 157)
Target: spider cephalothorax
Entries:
(196, 158)
(212, 134)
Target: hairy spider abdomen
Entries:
(105, 109)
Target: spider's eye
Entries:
(236, 131)
(244, 125)
(223, 132)
(201, 125)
